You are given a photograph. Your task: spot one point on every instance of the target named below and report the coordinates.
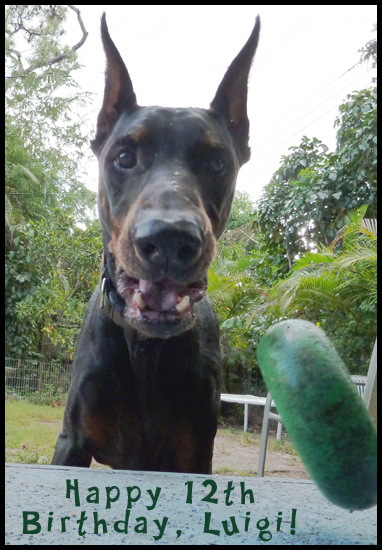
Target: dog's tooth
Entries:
(183, 305)
(141, 304)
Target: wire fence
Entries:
(36, 382)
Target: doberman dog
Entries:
(145, 388)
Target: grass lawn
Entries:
(31, 432)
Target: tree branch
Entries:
(63, 55)
(76, 46)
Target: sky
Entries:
(177, 55)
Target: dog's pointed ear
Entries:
(231, 97)
(119, 93)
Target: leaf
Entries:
(30, 80)
(333, 175)
(323, 194)
(369, 227)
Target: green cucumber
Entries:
(323, 413)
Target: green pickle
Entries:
(323, 413)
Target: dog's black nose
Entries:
(167, 247)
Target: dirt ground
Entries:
(237, 453)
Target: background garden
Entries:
(307, 249)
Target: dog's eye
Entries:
(126, 159)
(214, 165)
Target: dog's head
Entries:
(166, 184)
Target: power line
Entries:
(305, 115)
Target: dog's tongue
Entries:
(162, 296)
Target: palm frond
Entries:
(309, 288)
(355, 225)
(363, 258)
(369, 227)
(313, 259)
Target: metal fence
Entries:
(36, 382)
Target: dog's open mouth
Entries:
(159, 304)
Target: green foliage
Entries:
(290, 210)
(235, 292)
(317, 196)
(51, 271)
(53, 247)
(369, 53)
(241, 211)
(355, 169)
(338, 286)
(44, 139)
(36, 83)
(312, 190)
(35, 183)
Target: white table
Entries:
(245, 400)
(39, 494)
